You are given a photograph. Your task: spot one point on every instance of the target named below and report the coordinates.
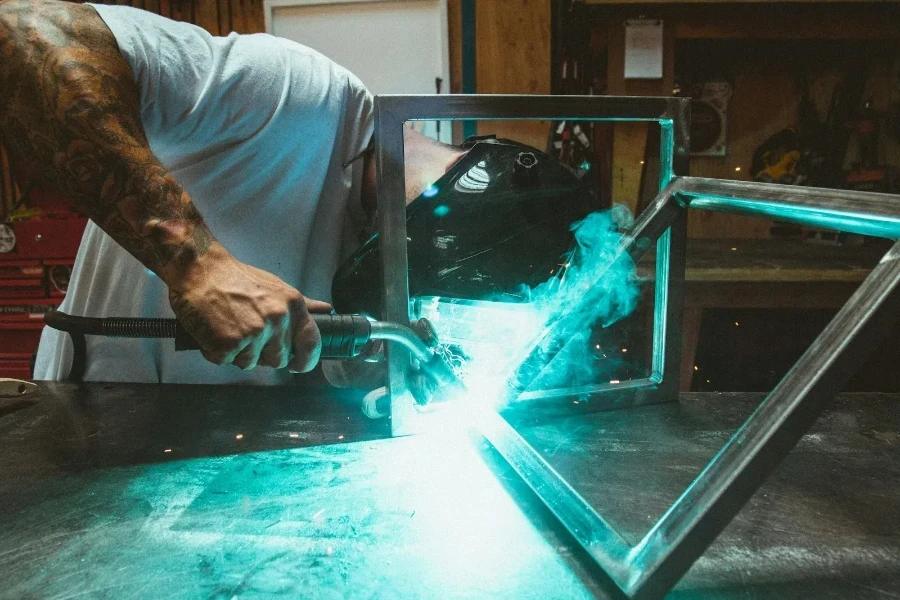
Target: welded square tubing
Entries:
(650, 568)
(668, 225)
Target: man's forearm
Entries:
(69, 106)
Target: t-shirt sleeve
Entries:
(360, 116)
(194, 97)
(200, 93)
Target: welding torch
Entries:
(343, 337)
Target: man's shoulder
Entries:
(305, 55)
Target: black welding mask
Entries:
(496, 224)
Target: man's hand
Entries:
(244, 316)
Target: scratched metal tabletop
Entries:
(136, 491)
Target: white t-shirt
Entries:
(257, 130)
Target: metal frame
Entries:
(650, 568)
(665, 223)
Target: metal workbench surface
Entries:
(139, 491)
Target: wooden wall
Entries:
(512, 43)
(766, 50)
(513, 56)
(219, 17)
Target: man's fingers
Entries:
(307, 343)
(317, 306)
(248, 358)
(216, 358)
(224, 357)
(244, 316)
(277, 351)
(276, 354)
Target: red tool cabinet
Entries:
(34, 275)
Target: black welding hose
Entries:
(343, 337)
(111, 326)
(78, 327)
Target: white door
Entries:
(393, 46)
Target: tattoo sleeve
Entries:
(69, 106)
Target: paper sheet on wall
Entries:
(643, 49)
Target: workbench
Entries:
(143, 491)
(764, 273)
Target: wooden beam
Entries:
(454, 37)
(629, 147)
(789, 22)
(630, 139)
(255, 19)
(513, 57)
(208, 16)
(765, 21)
(224, 11)
(238, 16)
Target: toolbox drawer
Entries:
(47, 238)
(15, 365)
(20, 337)
(22, 288)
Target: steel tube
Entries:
(767, 436)
(488, 107)
(671, 255)
(391, 190)
(598, 537)
(656, 219)
(402, 335)
(392, 111)
(865, 213)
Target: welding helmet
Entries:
(496, 224)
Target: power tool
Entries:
(343, 337)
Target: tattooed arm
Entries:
(70, 107)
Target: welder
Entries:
(225, 178)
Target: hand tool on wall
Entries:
(869, 174)
(343, 337)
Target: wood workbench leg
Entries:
(690, 338)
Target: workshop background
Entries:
(804, 92)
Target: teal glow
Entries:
(661, 293)
(435, 490)
(663, 256)
(666, 153)
(585, 166)
(442, 117)
(486, 342)
(441, 211)
(482, 341)
(864, 224)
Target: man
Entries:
(220, 175)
